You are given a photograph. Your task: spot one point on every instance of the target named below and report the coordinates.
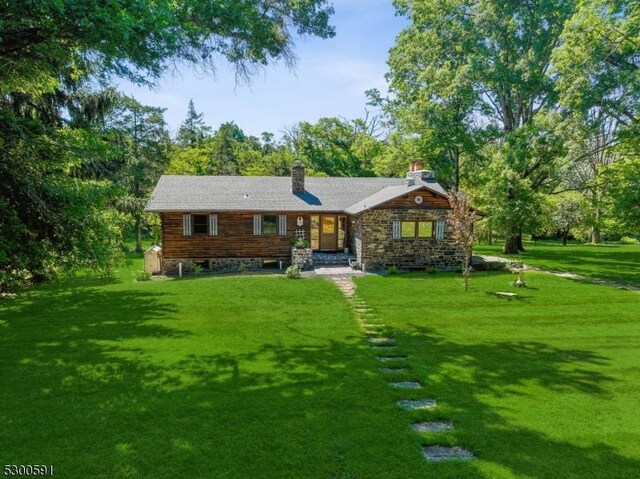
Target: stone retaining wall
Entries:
(170, 266)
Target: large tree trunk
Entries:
(520, 243)
(565, 234)
(511, 239)
(595, 230)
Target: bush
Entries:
(197, 269)
(431, 270)
(299, 243)
(628, 240)
(242, 268)
(142, 276)
(293, 272)
(392, 270)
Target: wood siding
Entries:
(429, 201)
(235, 238)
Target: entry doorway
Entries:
(328, 232)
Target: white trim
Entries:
(213, 224)
(257, 225)
(395, 230)
(187, 223)
(282, 225)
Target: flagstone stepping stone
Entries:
(395, 370)
(442, 453)
(432, 426)
(386, 359)
(412, 405)
(380, 340)
(406, 385)
(383, 346)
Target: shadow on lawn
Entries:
(464, 376)
(101, 383)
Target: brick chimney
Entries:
(415, 165)
(297, 178)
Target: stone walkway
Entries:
(378, 338)
(586, 279)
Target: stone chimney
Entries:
(416, 172)
(297, 178)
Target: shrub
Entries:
(197, 269)
(242, 268)
(628, 240)
(431, 270)
(142, 276)
(293, 272)
(392, 270)
(299, 243)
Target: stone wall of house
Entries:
(378, 249)
(303, 257)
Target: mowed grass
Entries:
(611, 262)
(543, 386)
(230, 377)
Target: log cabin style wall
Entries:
(235, 238)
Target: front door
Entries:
(328, 233)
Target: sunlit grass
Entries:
(612, 262)
(545, 385)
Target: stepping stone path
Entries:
(442, 453)
(365, 315)
(390, 359)
(433, 426)
(414, 405)
(406, 385)
(395, 370)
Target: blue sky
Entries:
(330, 77)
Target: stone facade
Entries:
(376, 249)
(303, 257)
(220, 265)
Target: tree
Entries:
(567, 215)
(624, 179)
(461, 221)
(336, 146)
(140, 39)
(193, 131)
(495, 58)
(142, 141)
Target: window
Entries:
(200, 224)
(416, 229)
(408, 229)
(315, 232)
(269, 224)
(425, 229)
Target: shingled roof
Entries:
(273, 193)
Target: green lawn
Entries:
(264, 377)
(611, 261)
(241, 377)
(543, 386)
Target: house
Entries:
(222, 222)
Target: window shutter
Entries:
(440, 229)
(282, 225)
(213, 224)
(395, 231)
(257, 224)
(186, 224)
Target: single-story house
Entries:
(222, 222)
